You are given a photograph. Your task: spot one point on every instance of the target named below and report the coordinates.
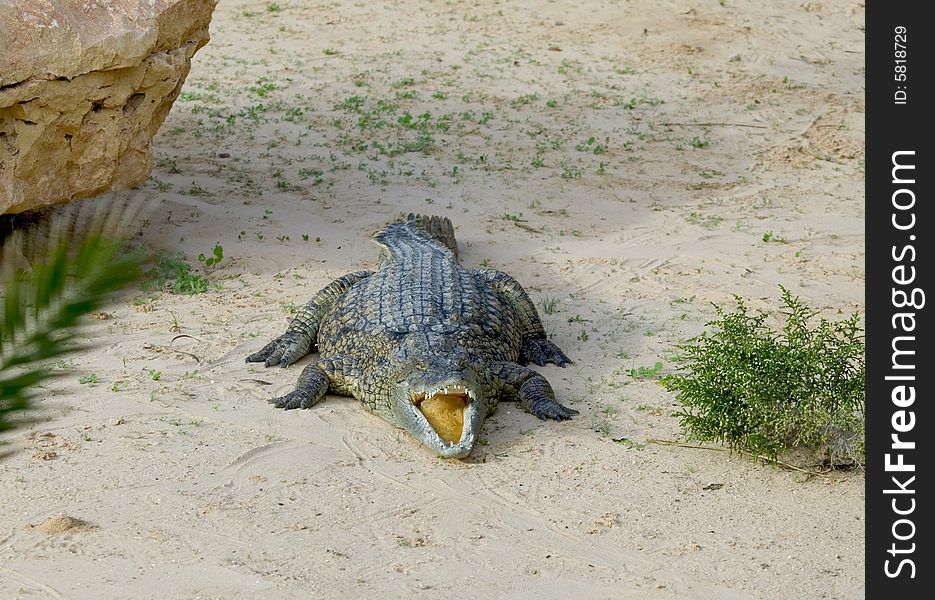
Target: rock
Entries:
(84, 86)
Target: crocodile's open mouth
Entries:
(444, 409)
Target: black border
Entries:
(892, 127)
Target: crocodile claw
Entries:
(293, 400)
(284, 350)
(543, 351)
(554, 411)
(537, 396)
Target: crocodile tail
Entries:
(439, 228)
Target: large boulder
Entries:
(84, 86)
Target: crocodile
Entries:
(423, 342)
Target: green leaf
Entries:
(63, 286)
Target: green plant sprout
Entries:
(210, 261)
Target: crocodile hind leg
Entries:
(301, 336)
(314, 382)
(536, 347)
(532, 390)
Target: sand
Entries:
(629, 162)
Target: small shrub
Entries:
(173, 272)
(763, 391)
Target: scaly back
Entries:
(418, 234)
(420, 287)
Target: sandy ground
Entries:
(629, 162)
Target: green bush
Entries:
(174, 273)
(762, 391)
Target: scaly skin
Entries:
(418, 328)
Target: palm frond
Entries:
(81, 261)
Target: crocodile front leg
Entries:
(531, 389)
(302, 335)
(314, 382)
(536, 348)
